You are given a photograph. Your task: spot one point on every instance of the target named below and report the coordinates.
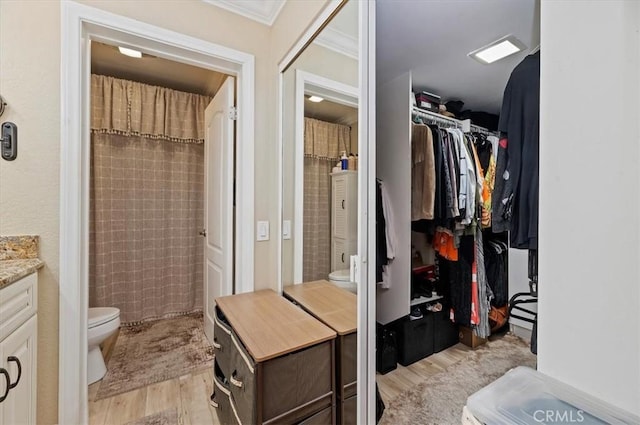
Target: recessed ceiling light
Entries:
(316, 99)
(130, 52)
(499, 49)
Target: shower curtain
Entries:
(323, 143)
(146, 205)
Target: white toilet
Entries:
(103, 322)
(341, 279)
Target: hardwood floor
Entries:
(403, 378)
(188, 394)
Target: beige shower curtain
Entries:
(323, 143)
(146, 209)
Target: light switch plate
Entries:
(286, 229)
(263, 231)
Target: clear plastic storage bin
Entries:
(525, 396)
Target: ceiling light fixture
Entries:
(316, 99)
(130, 52)
(499, 49)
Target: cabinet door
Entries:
(18, 357)
(339, 257)
(341, 251)
(339, 216)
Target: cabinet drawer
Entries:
(298, 384)
(348, 411)
(221, 398)
(323, 417)
(347, 365)
(18, 302)
(222, 342)
(242, 379)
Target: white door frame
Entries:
(330, 90)
(79, 25)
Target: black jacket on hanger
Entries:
(519, 119)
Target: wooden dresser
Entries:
(274, 363)
(338, 309)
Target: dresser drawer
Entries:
(298, 384)
(348, 411)
(222, 342)
(347, 365)
(242, 380)
(18, 302)
(323, 417)
(221, 398)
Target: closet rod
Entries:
(482, 130)
(435, 117)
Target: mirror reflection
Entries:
(320, 148)
(320, 192)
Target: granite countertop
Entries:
(12, 270)
(18, 258)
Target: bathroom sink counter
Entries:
(13, 270)
(18, 258)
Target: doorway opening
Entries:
(159, 186)
(83, 26)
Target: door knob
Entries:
(203, 232)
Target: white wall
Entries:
(519, 282)
(589, 242)
(393, 144)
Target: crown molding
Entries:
(338, 41)
(263, 11)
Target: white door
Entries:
(218, 187)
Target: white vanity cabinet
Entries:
(344, 218)
(18, 351)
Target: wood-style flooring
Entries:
(189, 394)
(403, 378)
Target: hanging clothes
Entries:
(381, 238)
(385, 236)
(519, 120)
(423, 179)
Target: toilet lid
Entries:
(100, 315)
(340, 275)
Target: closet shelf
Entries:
(424, 300)
(464, 125)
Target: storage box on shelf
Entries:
(428, 101)
(274, 363)
(419, 338)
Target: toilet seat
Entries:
(340, 276)
(101, 315)
(342, 279)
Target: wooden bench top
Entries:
(270, 326)
(335, 307)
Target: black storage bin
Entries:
(386, 348)
(445, 332)
(415, 339)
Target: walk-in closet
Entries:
(457, 157)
